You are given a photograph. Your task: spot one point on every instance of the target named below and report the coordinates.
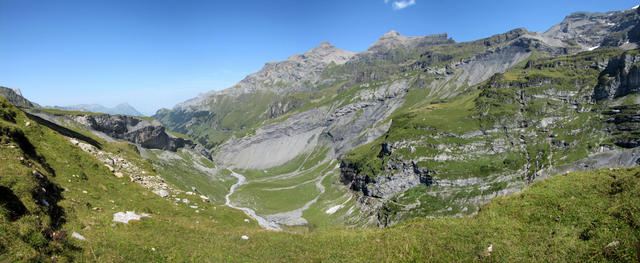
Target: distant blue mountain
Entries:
(122, 109)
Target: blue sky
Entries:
(156, 53)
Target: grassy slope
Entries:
(565, 218)
(28, 235)
(188, 169)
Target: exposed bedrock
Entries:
(147, 133)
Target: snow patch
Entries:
(592, 48)
(123, 217)
(333, 209)
(635, 7)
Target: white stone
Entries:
(613, 244)
(78, 236)
(123, 217)
(244, 237)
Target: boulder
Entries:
(204, 198)
(162, 193)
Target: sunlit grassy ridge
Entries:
(567, 218)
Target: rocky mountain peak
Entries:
(391, 34)
(324, 53)
(14, 96)
(393, 39)
(287, 75)
(17, 91)
(592, 30)
(325, 44)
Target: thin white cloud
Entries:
(402, 4)
(386, 2)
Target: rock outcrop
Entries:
(620, 78)
(146, 132)
(121, 167)
(15, 97)
(404, 177)
(626, 125)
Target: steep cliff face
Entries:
(620, 78)
(404, 177)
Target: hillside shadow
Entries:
(64, 131)
(12, 202)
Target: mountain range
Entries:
(122, 109)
